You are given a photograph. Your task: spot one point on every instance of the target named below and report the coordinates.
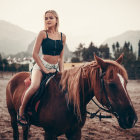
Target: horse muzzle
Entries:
(128, 120)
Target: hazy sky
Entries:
(82, 21)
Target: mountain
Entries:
(17, 42)
(132, 36)
(14, 39)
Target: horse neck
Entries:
(90, 83)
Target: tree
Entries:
(78, 52)
(139, 50)
(104, 51)
(75, 60)
(88, 53)
(116, 49)
(129, 57)
(117, 46)
(113, 47)
(1, 62)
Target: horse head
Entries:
(113, 93)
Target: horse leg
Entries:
(25, 132)
(49, 136)
(14, 125)
(74, 135)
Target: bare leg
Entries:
(35, 83)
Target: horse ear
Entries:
(100, 62)
(120, 59)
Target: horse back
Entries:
(15, 89)
(54, 106)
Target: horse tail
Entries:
(13, 85)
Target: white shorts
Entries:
(47, 66)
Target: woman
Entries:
(52, 43)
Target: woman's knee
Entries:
(34, 87)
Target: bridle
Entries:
(109, 107)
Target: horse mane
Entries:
(71, 79)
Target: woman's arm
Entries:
(36, 49)
(61, 61)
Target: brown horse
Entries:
(63, 104)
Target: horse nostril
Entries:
(135, 119)
(129, 119)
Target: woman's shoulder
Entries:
(63, 36)
(42, 33)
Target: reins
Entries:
(92, 115)
(109, 108)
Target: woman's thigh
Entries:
(36, 78)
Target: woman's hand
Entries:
(51, 71)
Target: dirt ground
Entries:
(93, 128)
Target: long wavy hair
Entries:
(56, 16)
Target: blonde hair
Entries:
(56, 16)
